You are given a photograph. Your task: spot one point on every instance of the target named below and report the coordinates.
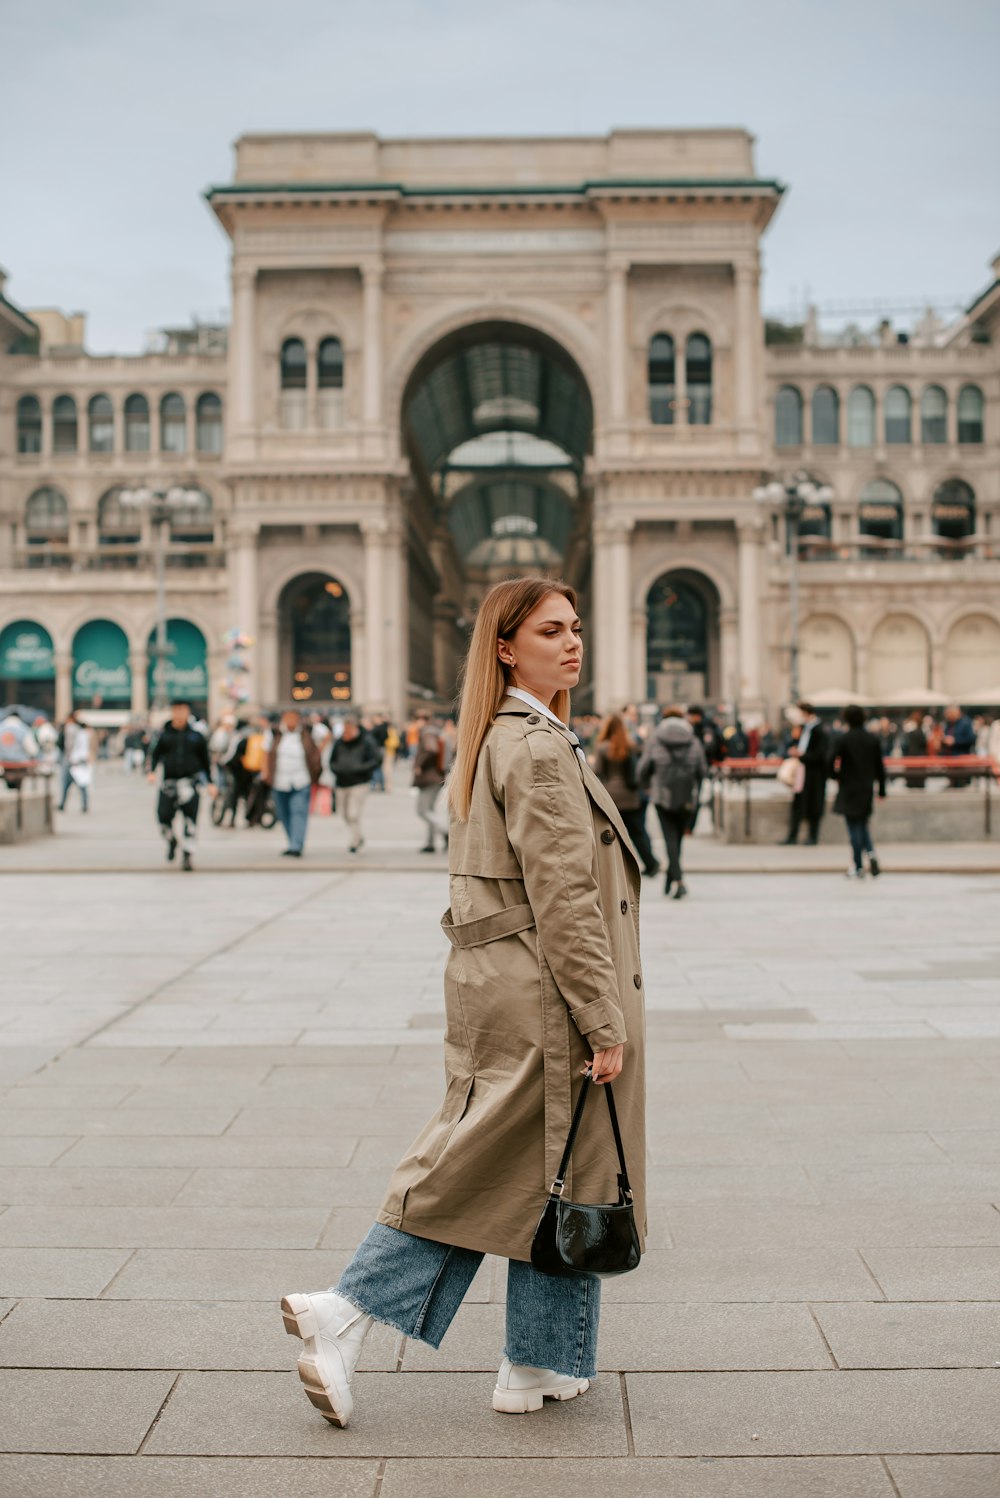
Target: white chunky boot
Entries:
(521, 1389)
(332, 1331)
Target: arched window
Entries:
(861, 417)
(898, 415)
(934, 415)
(680, 624)
(698, 368)
(330, 379)
(29, 424)
(880, 516)
(194, 525)
(101, 424)
(208, 423)
(137, 424)
(293, 384)
(173, 424)
(953, 512)
(662, 380)
(46, 518)
(815, 528)
(117, 524)
(970, 414)
(788, 417)
(64, 438)
(825, 416)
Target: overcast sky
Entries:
(881, 116)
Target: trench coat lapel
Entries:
(595, 788)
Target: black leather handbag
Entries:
(577, 1238)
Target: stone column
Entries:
(395, 630)
(612, 613)
(749, 694)
(729, 657)
(371, 316)
(639, 626)
(617, 332)
(138, 662)
(64, 684)
(372, 687)
(360, 641)
(242, 357)
(265, 650)
(746, 339)
(243, 594)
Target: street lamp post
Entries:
(161, 504)
(795, 492)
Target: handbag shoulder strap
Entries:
(558, 1185)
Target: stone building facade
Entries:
(453, 359)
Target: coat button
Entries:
(637, 979)
(624, 907)
(533, 718)
(607, 836)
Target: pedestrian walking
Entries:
(615, 767)
(182, 753)
(354, 759)
(543, 980)
(428, 776)
(673, 765)
(79, 750)
(858, 767)
(813, 751)
(292, 767)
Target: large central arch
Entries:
(497, 421)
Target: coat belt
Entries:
(488, 927)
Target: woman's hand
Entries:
(607, 1065)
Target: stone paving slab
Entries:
(929, 1225)
(963, 1335)
(185, 1477)
(969, 1273)
(163, 1227)
(215, 1153)
(229, 1274)
(835, 1413)
(696, 1275)
(793, 1477)
(114, 1187)
(55, 1410)
(413, 1414)
(59, 1272)
(162, 1334)
(946, 1477)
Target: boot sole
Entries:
(526, 1401)
(300, 1321)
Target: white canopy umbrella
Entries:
(918, 697)
(839, 697)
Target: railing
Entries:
(16, 774)
(919, 549)
(959, 770)
(118, 558)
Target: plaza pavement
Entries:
(207, 1077)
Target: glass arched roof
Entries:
(501, 507)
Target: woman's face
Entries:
(546, 651)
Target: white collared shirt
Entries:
(547, 712)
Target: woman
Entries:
(292, 769)
(542, 980)
(614, 766)
(673, 763)
(858, 765)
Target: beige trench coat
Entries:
(544, 970)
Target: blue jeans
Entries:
(293, 814)
(417, 1285)
(861, 840)
(67, 785)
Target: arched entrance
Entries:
(899, 658)
(497, 422)
(682, 638)
(27, 666)
(186, 673)
(314, 641)
(826, 656)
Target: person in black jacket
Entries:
(183, 753)
(813, 748)
(858, 766)
(354, 759)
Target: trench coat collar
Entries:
(596, 790)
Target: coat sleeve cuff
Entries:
(601, 1022)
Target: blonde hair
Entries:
(484, 679)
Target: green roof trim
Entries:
(579, 189)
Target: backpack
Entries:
(254, 755)
(678, 779)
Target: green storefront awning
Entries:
(100, 663)
(187, 661)
(26, 652)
